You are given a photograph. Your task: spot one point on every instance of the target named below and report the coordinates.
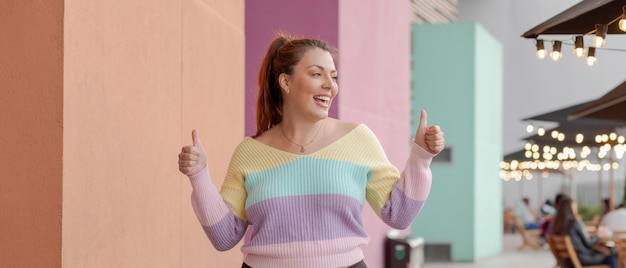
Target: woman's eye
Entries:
(317, 74)
(335, 78)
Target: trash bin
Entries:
(403, 251)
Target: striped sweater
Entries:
(305, 210)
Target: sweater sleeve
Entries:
(220, 215)
(398, 197)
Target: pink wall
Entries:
(31, 132)
(374, 50)
(373, 39)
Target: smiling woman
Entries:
(299, 185)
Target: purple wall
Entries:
(373, 38)
(266, 18)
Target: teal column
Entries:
(457, 78)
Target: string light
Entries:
(556, 54)
(541, 51)
(591, 56)
(554, 134)
(580, 138)
(530, 127)
(579, 47)
(600, 38)
(541, 131)
(541, 158)
(528, 146)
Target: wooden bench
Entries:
(621, 253)
(562, 249)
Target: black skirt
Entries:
(360, 264)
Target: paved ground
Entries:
(509, 258)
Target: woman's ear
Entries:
(283, 80)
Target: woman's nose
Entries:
(330, 83)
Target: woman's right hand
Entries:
(192, 158)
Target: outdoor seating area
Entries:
(549, 256)
(577, 142)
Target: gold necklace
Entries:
(301, 146)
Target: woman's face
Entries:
(574, 208)
(312, 86)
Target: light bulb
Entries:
(579, 138)
(541, 51)
(591, 61)
(554, 134)
(591, 56)
(599, 39)
(556, 54)
(579, 49)
(579, 52)
(530, 128)
(541, 131)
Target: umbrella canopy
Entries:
(588, 127)
(564, 115)
(582, 18)
(611, 106)
(570, 131)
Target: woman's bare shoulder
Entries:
(341, 127)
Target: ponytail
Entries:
(269, 111)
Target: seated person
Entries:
(546, 225)
(616, 220)
(588, 249)
(526, 215)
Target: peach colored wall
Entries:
(213, 102)
(31, 125)
(139, 76)
(374, 51)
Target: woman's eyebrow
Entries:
(314, 65)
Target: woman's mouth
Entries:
(322, 100)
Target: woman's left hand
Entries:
(429, 137)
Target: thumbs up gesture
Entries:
(429, 137)
(192, 158)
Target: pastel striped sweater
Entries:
(305, 210)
